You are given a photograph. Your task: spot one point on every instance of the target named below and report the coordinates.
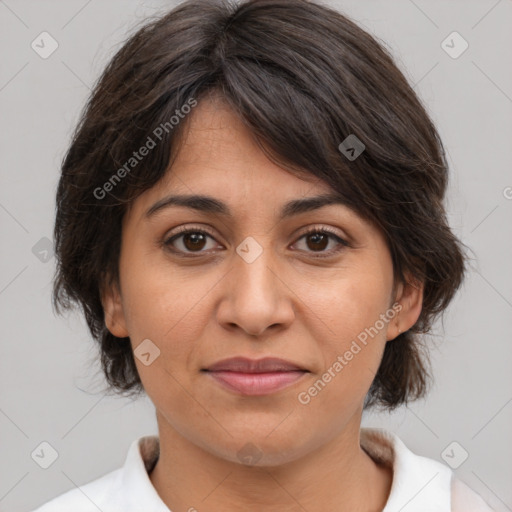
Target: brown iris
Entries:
(194, 241)
(320, 241)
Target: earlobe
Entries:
(409, 295)
(114, 312)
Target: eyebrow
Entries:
(208, 204)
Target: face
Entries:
(249, 282)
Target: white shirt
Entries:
(419, 484)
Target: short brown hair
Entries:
(302, 77)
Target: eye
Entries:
(195, 240)
(189, 240)
(318, 239)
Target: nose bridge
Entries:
(256, 298)
(253, 267)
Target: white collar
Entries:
(419, 483)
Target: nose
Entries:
(255, 296)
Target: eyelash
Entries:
(314, 230)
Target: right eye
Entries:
(188, 241)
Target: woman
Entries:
(251, 217)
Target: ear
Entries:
(409, 295)
(114, 311)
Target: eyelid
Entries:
(323, 229)
(186, 228)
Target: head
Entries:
(248, 104)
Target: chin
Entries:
(261, 447)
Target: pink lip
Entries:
(255, 377)
(256, 383)
(247, 365)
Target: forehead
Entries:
(218, 156)
(217, 139)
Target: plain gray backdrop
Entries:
(50, 380)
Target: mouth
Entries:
(255, 377)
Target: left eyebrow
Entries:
(208, 204)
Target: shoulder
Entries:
(120, 490)
(86, 498)
(465, 499)
(419, 483)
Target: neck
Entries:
(337, 476)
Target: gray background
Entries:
(49, 381)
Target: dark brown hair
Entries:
(302, 77)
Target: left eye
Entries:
(195, 241)
(318, 239)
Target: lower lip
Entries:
(254, 384)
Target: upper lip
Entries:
(246, 365)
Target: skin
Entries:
(213, 305)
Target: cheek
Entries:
(162, 309)
(357, 308)
(347, 305)
(158, 298)
(345, 320)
